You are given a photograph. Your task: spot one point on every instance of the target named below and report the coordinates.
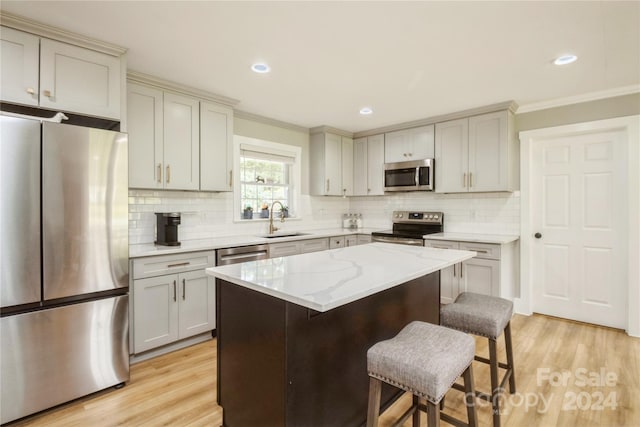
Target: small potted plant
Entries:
(264, 211)
(285, 212)
(247, 213)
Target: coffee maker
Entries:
(167, 228)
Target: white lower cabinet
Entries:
(315, 245)
(337, 242)
(483, 274)
(171, 307)
(363, 239)
(351, 240)
(297, 247)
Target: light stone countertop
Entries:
(329, 279)
(472, 237)
(150, 249)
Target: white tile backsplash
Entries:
(487, 213)
(207, 215)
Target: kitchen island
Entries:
(293, 332)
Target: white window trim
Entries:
(275, 148)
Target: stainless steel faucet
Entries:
(273, 228)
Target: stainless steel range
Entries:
(409, 227)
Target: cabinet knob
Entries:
(47, 93)
(31, 91)
(537, 235)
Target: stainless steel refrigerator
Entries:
(64, 263)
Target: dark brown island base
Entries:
(282, 364)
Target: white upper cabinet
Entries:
(80, 80)
(181, 142)
(452, 156)
(347, 166)
(409, 144)
(368, 166)
(19, 61)
(146, 156)
(477, 154)
(59, 76)
(216, 139)
(326, 164)
(178, 142)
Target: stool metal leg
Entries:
(375, 386)
(495, 385)
(510, 364)
(470, 397)
(433, 414)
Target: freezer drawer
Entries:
(53, 356)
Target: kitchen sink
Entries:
(283, 234)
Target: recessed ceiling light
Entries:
(565, 59)
(366, 111)
(261, 68)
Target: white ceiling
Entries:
(406, 60)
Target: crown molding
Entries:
(149, 80)
(592, 96)
(507, 105)
(329, 129)
(269, 121)
(43, 30)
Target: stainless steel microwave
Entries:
(416, 175)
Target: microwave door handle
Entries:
(417, 176)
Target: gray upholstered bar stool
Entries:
(425, 360)
(485, 316)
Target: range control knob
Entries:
(435, 217)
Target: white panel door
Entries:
(579, 265)
(375, 165)
(488, 151)
(422, 142)
(347, 166)
(333, 165)
(360, 170)
(481, 276)
(144, 123)
(452, 156)
(396, 146)
(181, 142)
(449, 284)
(19, 66)
(216, 139)
(155, 316)
(79, 80)
(196, 303)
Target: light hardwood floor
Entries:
(179, 389)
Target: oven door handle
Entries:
(401, 241)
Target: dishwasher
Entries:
(241, 254)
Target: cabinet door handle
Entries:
(30, 91)
(175, 295)
(184, 287)
(180, 264)
(168, 174)
(461, 271)
(454, 270)
(470, 179)
(464, 180)
(328, 185)
(231, 178)
(47, 93)
(160, 172)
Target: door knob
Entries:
(537, 235)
